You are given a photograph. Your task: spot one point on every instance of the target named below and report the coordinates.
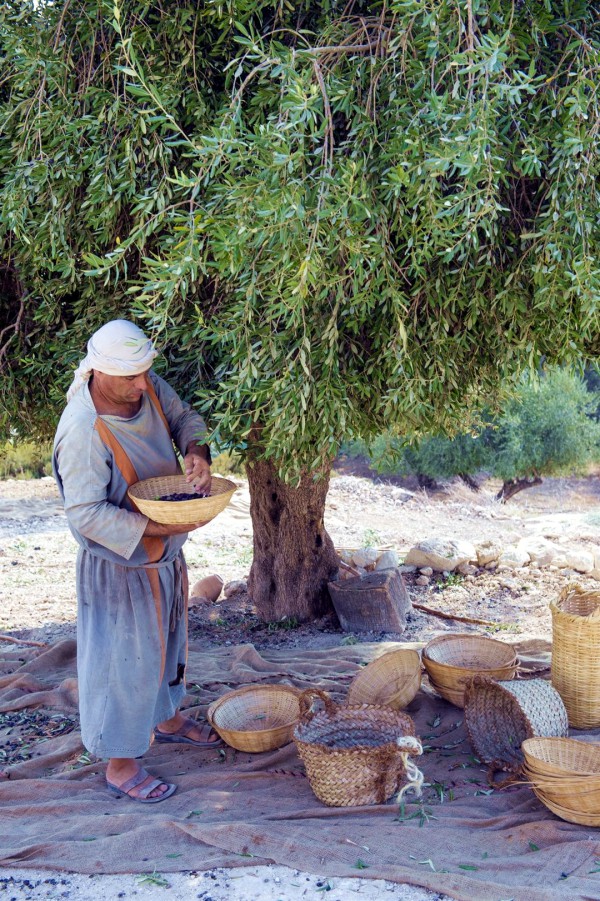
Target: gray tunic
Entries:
(131, 648)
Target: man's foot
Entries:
(141, 787)
(184, 729)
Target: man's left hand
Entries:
(197, 471)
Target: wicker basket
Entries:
(391, 680)
(452, 661)
(351, 753)
(575, 671)
(499, 716)
(257, 717)
(144, 495)
(565, 775)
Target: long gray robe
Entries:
(131, 644)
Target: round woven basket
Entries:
(564, 774)
(499, 716)
(257, 717)
(145, 496)
(391, 680)
(452, 661)
(575, 668)
(351, 753)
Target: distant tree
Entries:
(547, 427)
(334, 218)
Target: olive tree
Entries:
(333, 218)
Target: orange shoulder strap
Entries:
(154, 547)
(154, 398)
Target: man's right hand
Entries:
(164, 530)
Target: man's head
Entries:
(120, 351)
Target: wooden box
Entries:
(377, 602)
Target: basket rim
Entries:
(247, 689)
(176, 479)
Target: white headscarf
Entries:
(118, 348)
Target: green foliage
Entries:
(334, 220)
(547, 430)
(227, 463)
(25, 460)
(547, 427)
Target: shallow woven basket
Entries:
(197, 509)
(350, 753)
(575, 671)
(565, 775)
(257, 717)
(452, 661)
(391, 680)
(561, 757)
(499, 716)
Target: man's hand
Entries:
(163, 530)
(197, 468)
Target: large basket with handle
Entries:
(575, 668)
(355, 754)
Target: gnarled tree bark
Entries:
(294, 557)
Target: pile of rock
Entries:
(363, 560)
(448, 555)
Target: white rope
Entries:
(409, 745)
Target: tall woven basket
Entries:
(355, 754)
(576, 654)
(499, 716)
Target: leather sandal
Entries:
(182, 735)
(143, 796)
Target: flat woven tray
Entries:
(145, 496)
(391, 680)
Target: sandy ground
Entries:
(37, 602)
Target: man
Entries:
(118, 427)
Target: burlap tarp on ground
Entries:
(233, 808)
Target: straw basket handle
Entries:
(307, 704)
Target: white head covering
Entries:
(118, 348)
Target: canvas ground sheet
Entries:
(462, 839)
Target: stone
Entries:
(234, 587)
(210, 587)
(387, 560)
(422, 580)
(365, 556)
(426, 571)
(513, 557)
(540, 550)
(404, 568)
(467, 569)
(579, 560)
(441, 554)
(488, 552)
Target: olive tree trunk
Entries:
(294, 557)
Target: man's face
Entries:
(122, 389)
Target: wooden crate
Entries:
(377, 602)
